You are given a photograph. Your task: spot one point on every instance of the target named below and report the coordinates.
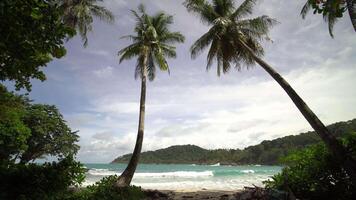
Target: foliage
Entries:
(267, 152)
(13, 131)
(151, 43)
(30, 131)
(50, 135)
(331, 10)
(31, 35)
(312, 173)
(105, 190)
(229, 32)
(78, 14)
(39, 181)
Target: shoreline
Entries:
(248, 193)
(186, 194)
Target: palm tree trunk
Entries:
(330, 140)
(126, 177)
(352, 11)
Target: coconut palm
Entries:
(151, 44)
(78, 14)
(235, 40)
(331, 11)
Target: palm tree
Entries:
(151, 44)
(235, 40)
(78, 14)
(331, 11)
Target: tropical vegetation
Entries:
(78, 14)
(234, 40)
(152, 44)
(28, 132)
(105, 190)
(25, 25)
(332, 11)
(312, 173)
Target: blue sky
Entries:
(99, 97)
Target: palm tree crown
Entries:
(229, 29)
(78, 14)
(331, 10)
(152, 41)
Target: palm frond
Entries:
(151, 67)
(161, 21)
(259, 25)
(306, 8)
(129, 52)
(223, 7)
(171, 37)
(151, 43)
(244, 9)
(160, 60)
(203, 42)
(203, 9)
(213, 51)
(331, 16)
(102, 13)
(351, 7)
(168, 51)
(79, 15)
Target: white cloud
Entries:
(104, 72)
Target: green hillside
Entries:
(267, 152)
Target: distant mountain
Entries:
(267, 152)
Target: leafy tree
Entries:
(50, 135)
(151, 44)
(78, 14)
(13, 131)
(31, 131)
(312, 173)
(31, 35)
(331, 10)
(235, 40)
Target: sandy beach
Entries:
(246, 194)
(201, 194)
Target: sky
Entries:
(100, 97)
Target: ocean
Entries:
(184, 177)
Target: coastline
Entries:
(248, 193)
(190, 194)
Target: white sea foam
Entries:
(215, 165)
(248, 171)
(183, 174)
(102, 172)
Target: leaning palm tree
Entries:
(331, 10)
(78, 14)
(235, 41)
(151, 44)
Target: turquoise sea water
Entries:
(187, 177)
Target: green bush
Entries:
(105, 190)
(313, 173)
(39, 181)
